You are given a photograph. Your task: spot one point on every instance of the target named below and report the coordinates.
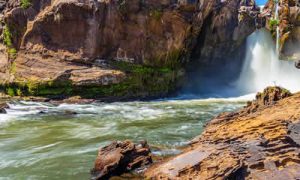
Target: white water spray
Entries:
(277, 27)
(262, 67)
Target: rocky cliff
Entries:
(260, 141)
(289, 26)
(114, 48)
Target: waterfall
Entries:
(277, 27)
(262, 67)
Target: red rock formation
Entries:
(289, 26)
(243, 145)
(120, 157)
(80, 41)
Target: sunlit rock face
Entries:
(257, 142)
(53, 39)
(222, 30)
(289, 43)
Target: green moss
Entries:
(156, 14)
(170, 60)
(141, 81)
(10, 91)
(13, 68)
(7, 36)
(19, 92)
(273, 23)
(25, 4)
(7, 39)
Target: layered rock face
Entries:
(260, 144)
(120, 157)
(223, 29)
(114, 47)
(289, 26)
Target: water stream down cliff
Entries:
(263, 68)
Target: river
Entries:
(45, 141)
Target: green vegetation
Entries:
(141, 81)
(273, 23)
(157, 78)
(13, 67)
(25, 4)
(10, 91)
(122, 7)
(7, 38)
(169, 60)
(156, 14)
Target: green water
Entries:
(57, 144)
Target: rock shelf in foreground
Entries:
(248, 144)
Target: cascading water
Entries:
(262, 67)
(277, 27)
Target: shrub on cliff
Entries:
(273, 23)
(25, 4)
(7, 35)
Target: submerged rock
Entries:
(120, 157)
(3, 106)
(263, 144)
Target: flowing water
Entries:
(43, 141)
(262, 67)
(277, 27)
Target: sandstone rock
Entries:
(3, 106)
(289, 27)
(269, 96)
(120, 157)
(294, 133)
(63, 41)
(243, 145)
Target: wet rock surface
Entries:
(120, 157)
(242, 145)
(3, 106)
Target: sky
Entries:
(261, 2)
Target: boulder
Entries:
(268, 97)
(3, 106)
(120, 157)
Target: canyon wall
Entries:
(114, 48)
(289, 27)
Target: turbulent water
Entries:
(43, 141)
(262, 67)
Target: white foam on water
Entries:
(262, 67)
(127, 110)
